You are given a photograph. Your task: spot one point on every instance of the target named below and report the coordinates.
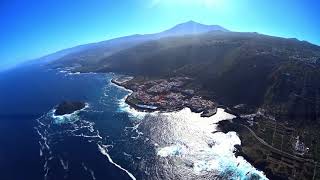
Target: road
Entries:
(275, 149)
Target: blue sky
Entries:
(30, 28)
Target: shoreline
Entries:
(243, 125)
(224, 108)
(132, 105)
(127, 88)
(221, 129)
(153, 108)
(238, 148)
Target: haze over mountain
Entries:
(23, 39)
(190, 27)
(91, 53)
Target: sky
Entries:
(33, 28)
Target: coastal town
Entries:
(165, 95)
(273, 145)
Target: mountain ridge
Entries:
(98, 50)
(214, 54)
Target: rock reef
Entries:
(68, 107)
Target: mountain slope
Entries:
(91, 53)
(232, 68)
(190, 27)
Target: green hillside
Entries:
(231, 68)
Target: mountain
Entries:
(89, 54)
(280, 71)
(272, 83)
(191, 27)
(219, 61)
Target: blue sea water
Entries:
(107, 139)
(28, 93)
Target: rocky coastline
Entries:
(164, 95)
(273, 155)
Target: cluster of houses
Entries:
(169, 94)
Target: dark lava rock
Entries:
(209, 112)
(68, 107)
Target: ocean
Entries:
(107, 139)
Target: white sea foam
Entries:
(104, 150)
(90, 171)
(133, 113)
(124, 107)
(195, 142)
(74, 73)
(59, 119)
(41, 153)
(206, 150)
(70, 125)
(174, 150)
(136, 130)
(190, 137)
(120, 87)
(64, 164)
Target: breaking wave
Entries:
(174, 150)
(58, 119)
(195, 141)
(104, 150)
(54, 130)
(181, 143)
(133, 113)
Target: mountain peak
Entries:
(191, 22)
(192, 27)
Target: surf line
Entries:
(104, 152)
